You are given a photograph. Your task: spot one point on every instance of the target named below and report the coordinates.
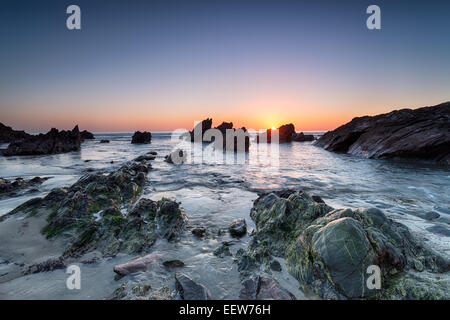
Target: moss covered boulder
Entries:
(330, 251)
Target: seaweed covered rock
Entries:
(329, 251)
(141, 137)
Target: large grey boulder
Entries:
(188, 289)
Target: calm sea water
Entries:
(215, 194)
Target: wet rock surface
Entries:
(329, 251)
(422, 133)
(137, 291)
(238, 228)
(188, 289)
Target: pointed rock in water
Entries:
(86, 135)
(238, 228)
(188, 289)
(422, 133)
(104, 141)
(137, 264)
(141, 137)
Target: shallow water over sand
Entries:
(214, 195)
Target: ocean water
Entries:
(214, 194)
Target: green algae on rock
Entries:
(88, 216)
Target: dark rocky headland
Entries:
(422, 133)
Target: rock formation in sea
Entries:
(11, 188)
(334, 252)
(86, 135)
(225, 136)
(8, 135)
(422, 133)
(141, 137)
(52, 142)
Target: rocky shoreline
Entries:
(422, 134)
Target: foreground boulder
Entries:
(422, 133)
(52, 142)
(330, 251)
(88, 217)
(224, 136)
(141, 137)
(8, 135)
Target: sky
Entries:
(161, 65)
